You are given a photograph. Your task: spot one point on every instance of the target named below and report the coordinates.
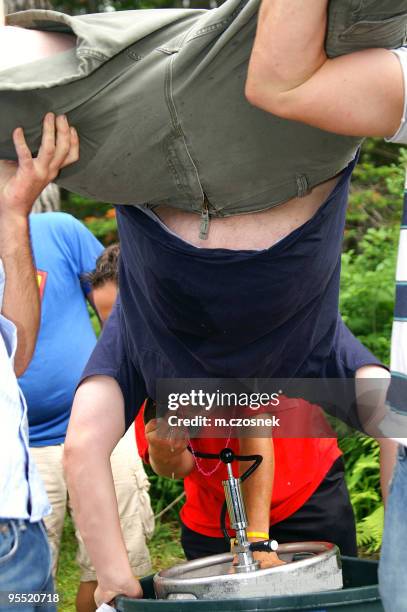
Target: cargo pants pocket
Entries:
(354, 25)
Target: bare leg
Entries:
(20, 46)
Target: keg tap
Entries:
(241, 547)
(238, 518)
(234, 505)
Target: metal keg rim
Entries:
(172, 577)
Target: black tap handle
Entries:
(227, 455)
(264, 546)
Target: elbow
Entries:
(263, 95)
(70, 458)
(253, 91)
(74, 458)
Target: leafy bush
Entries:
(375, 198)
(367, 289)
(367, 303)
(362, 460)
(98, 217)
(163, 491)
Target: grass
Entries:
(68, 570)
(165, 550)
(165, 547)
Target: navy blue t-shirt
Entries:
(188, 312)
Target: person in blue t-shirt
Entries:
(64, 250)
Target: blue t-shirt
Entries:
(63, 250)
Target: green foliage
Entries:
(370, 530)
(367, 289)
(104, 228)
(379, 152)
(68, 570)
(165, 548)
(163, 491)
(362, 460)
(370, 248)
(375, 200)
(82, 207)
(98, 217)
(367, 303)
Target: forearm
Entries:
(93, 498)
(171, 465)
(21, 302)
(258, 488)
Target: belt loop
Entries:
(302, 185)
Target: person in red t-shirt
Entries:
(310, 500)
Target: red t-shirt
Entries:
(300, 466)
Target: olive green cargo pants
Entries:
(158, 99)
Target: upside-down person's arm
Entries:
(360, 94)
(96, 425)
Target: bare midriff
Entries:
(252, 231)
(20, 46)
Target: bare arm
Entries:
(21, 302)
(258, 487)
(257, 491)
(95, 427)
(20, 185)
(372, 383)
(361, 94)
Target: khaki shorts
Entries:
(131, 484)
(158, 99)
